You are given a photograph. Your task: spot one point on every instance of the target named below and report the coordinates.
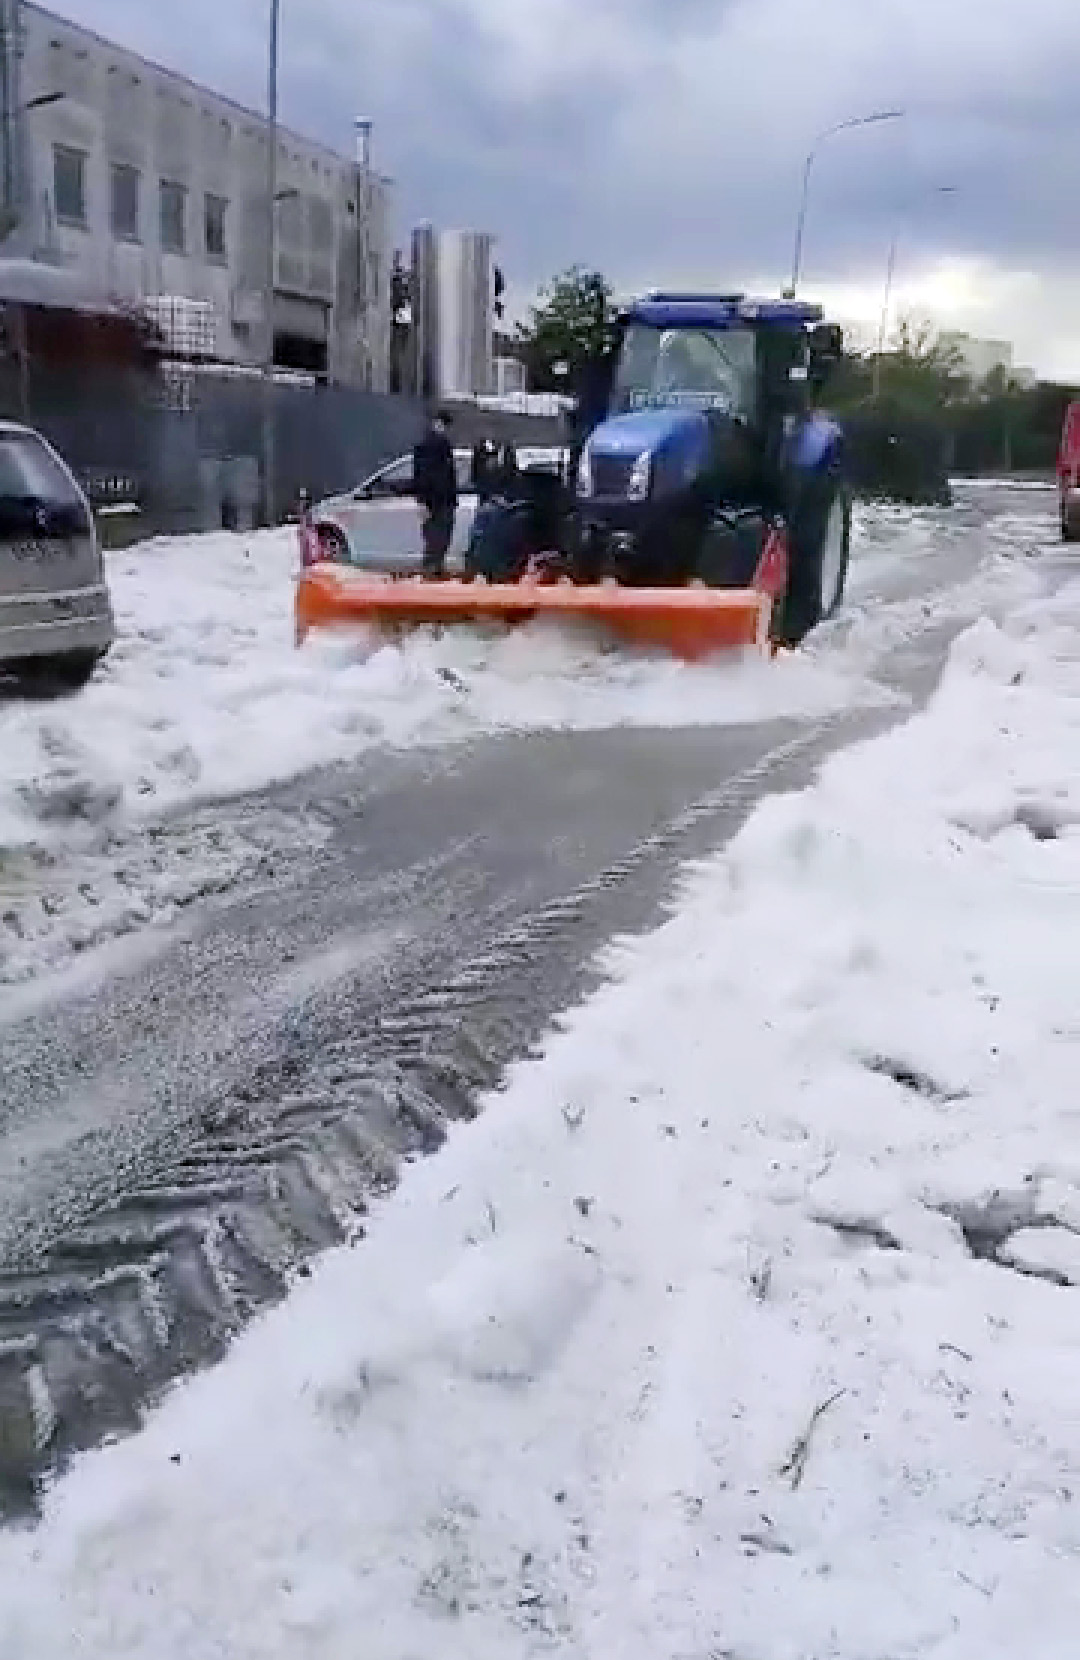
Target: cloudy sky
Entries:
(663, 140)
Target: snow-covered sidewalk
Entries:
(741, 1323)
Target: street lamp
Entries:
(873, 120)
(890, 272)
(269, 481)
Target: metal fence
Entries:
(183, 444)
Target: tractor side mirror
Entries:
(826, 345)
(826, 351)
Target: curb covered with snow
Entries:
(708, 1337)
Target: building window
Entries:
(125, 203)
(173, 218)
(69, 185)
(214, 221)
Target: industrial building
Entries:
(153, 190)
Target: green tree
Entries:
(570, 325)
(917, 370)
(894, 407)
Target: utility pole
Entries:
(884, 323)
(269, 458)
(890, 274)
(9, 98)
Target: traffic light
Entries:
(500, 290)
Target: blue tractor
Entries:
(699, 456)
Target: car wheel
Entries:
(56, 676)
(819, 537)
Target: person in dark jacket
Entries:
(435, 488)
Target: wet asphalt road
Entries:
(178, 1137)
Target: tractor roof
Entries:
(719, 311)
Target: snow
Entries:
(739, 1324)
(107, 800)
(205, 697)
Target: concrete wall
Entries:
(118, 110)
(187, 439)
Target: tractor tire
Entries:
(819, 538)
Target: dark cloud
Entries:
(663, 139)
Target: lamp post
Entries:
(890, 273)
(874, 120)
(269, 458)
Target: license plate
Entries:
(38, 550)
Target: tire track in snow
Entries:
(285, 1165)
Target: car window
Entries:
(37, 493)
(395, 480)
(30, 472)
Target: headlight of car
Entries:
(584, 482)
(640, 480)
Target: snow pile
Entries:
(205, 694)
(206, 697)
(741, 1324)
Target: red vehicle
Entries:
(1068, 471)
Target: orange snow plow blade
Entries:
(691, 623)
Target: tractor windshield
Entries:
(694, 368)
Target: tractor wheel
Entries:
(819, 536)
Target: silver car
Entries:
(56, 620)
(377, 526)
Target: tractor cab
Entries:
(702, 407)
(733, 362)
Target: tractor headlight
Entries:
(639, 483)
(584, 481)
